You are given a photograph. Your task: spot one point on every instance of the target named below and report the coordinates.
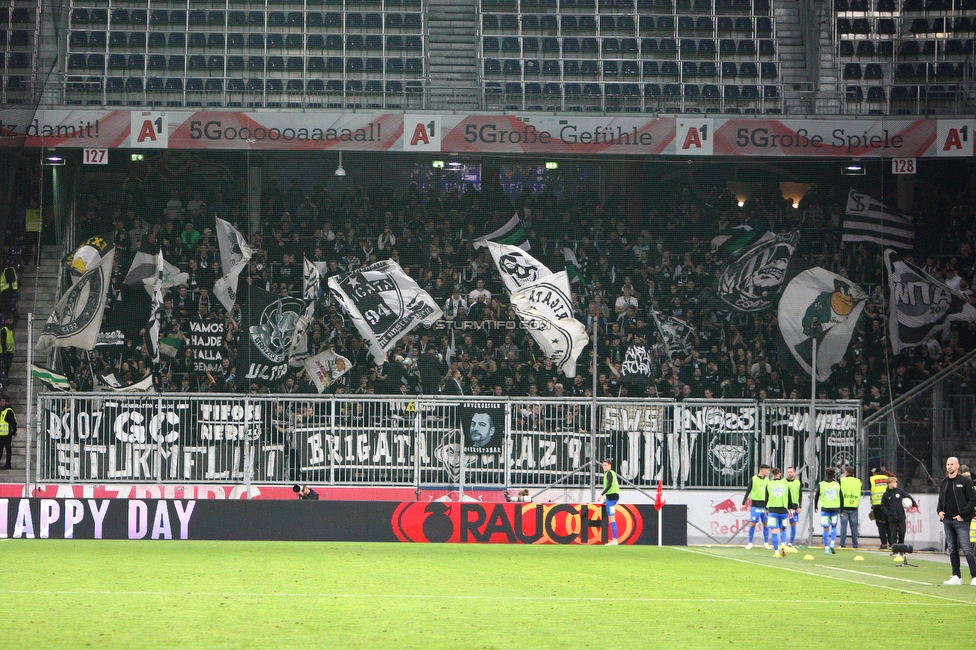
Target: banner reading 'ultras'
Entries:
(360, 521)
(563, 134)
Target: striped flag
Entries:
(512, 233)
(52, 379)
(869, 220)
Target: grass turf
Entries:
(289, 595)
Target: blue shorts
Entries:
(778, 519)
(794, 518)
(757, 515)
(611, 505)
(828, 519)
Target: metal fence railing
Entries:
(366, 440)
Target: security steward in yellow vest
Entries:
(7, 345)
(8, 429)
(850, 498)
(878, 484)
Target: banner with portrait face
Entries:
(483, 425)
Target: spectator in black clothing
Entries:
(957, 503)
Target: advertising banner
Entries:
(337, 521)
(543, 134)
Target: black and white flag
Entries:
(77, 316)
(674, 333)
(310, 280)
(270, 326)
(235, 253)
(145, 270)
(636, 367)
(869, 220)
(921, 307)
(384, 304)
(754, 280)
(155, 287)
(516, 266)
(545, 307)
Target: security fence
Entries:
(367, 440)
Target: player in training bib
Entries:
(796, 493)
(756, 494)
(611, 492)
(827, 498)
(779, 504)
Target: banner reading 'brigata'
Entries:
(543, 134)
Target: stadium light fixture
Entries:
(853, 169)
(340, 171)
(52, 160)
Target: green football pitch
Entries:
(72, 594)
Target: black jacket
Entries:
(892, 506)
(957, 497)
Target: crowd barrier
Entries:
(382, 441)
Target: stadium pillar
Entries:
(906, 192)
(635, 183)
(811, 460)
(254, 187)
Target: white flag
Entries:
(545, 307)
(513, 233)
(310, 280)
(325, 368)
(517, 267)
(384, 304)
(235, 253)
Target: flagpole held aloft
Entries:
(811, 462)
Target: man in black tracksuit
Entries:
(957, 502)
(891, 503)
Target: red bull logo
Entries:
(727, 507)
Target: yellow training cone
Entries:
(808, 557)
(858, 558)
(898, 558)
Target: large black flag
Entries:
(269, 329)
(636, 368)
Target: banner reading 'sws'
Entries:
(335, 521)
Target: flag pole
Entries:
(30, 399)
(593, 460)
(812, 461)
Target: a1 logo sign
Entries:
(954, 138)
(149, 130)
(421, 133)
(693, 137)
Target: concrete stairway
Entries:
(452, 43)
(791, 52)
(38, 293)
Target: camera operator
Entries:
(305, 493)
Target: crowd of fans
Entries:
(632, 264)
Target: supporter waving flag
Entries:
(234, 256)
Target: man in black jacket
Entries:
(957, 502)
